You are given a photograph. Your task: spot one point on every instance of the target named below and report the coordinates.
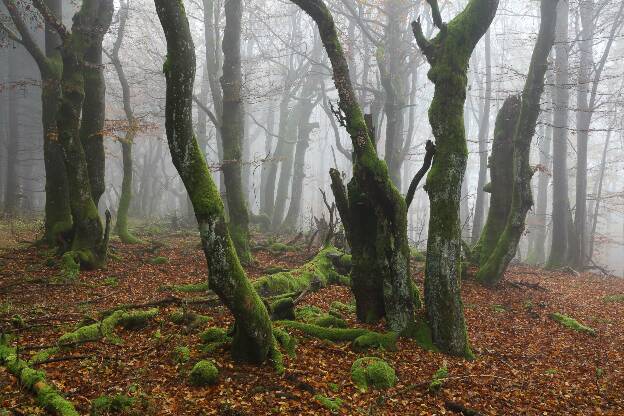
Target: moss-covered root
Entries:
(105, 327)
(317, 273)
(333, 405)
(362, 338)
(34, 381)
(372, 372)
(572, 323)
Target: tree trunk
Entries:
(501, 179)
(603, 164)
(253, 339)
(484, 132)
(492, 271)
(449, 54)
(560, 203)
(11, 190)
(232, 130)
(264, 170)
(373, 212)
(90, 239)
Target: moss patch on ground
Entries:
(372, 372)
(572, 323)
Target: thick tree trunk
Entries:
(501, 177)
(491, 272)
(484, 132)
(232, 130)
(286, 162)
(90, 239)
(449, 54)
(373, 211)
(560, 203)
(253, 339)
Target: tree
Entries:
(232, 130)
(491, 271)
(449, 54)
(253, 340)
(121, 226)
(373, 212)
(58, 220)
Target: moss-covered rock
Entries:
(278, 247)
(214, 335)
(372, 372)
(204, 373)
(572, 323)
(138, 319)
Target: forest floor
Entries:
(527, 363)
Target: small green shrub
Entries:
(204, 373)
(181, 354)
(438, 378)
(372, 372)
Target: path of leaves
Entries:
(527, 364)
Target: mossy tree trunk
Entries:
(90, 239)
(58, 220)
(449, 54)
(121, 226)
(501, 181)
(253, 339)
(373, 211)
(492, 270)
(232, 130)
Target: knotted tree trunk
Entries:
(449, 54)
(373, 212)
(253, 339)
(491, 271)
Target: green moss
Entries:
(70, 268)
(376, 340)
(159, 260)
(417, 298)
(214, 335)
(111, 281)
(342, 308)
(614, 298)
(204, 373)
(286, 341)
(181, 354)
(283, 309)
(372, 372)
(138, 319)
(314, 273)
(499, 308)
(308, 313)
(572, 323)
(104, 405)
(191, 287)
(333, 405)
(330, 321)
(438, 378)
(420, 332)
(43, 355)
(417, 255)
(280, 248)
(189, 318)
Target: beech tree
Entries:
(449, 54)
(253, 339)
(492, 269)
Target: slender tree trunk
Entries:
(598, 196)
(264, 170)
(286, 167)
(484, 132)
(11, 190)
(373, 211)
(560, 204)
(492, 271)
(449, 54)
(253, 339)
(232, 130)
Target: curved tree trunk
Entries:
(449, 54)
(491, 272)
(373, 212)
(253, 339)
(232, 130)
(501, 178)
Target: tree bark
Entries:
(373, 212)
(560, 203)
(492, 271)
(484, 132)
(232, 130)
(449, 54)
(253, 339)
